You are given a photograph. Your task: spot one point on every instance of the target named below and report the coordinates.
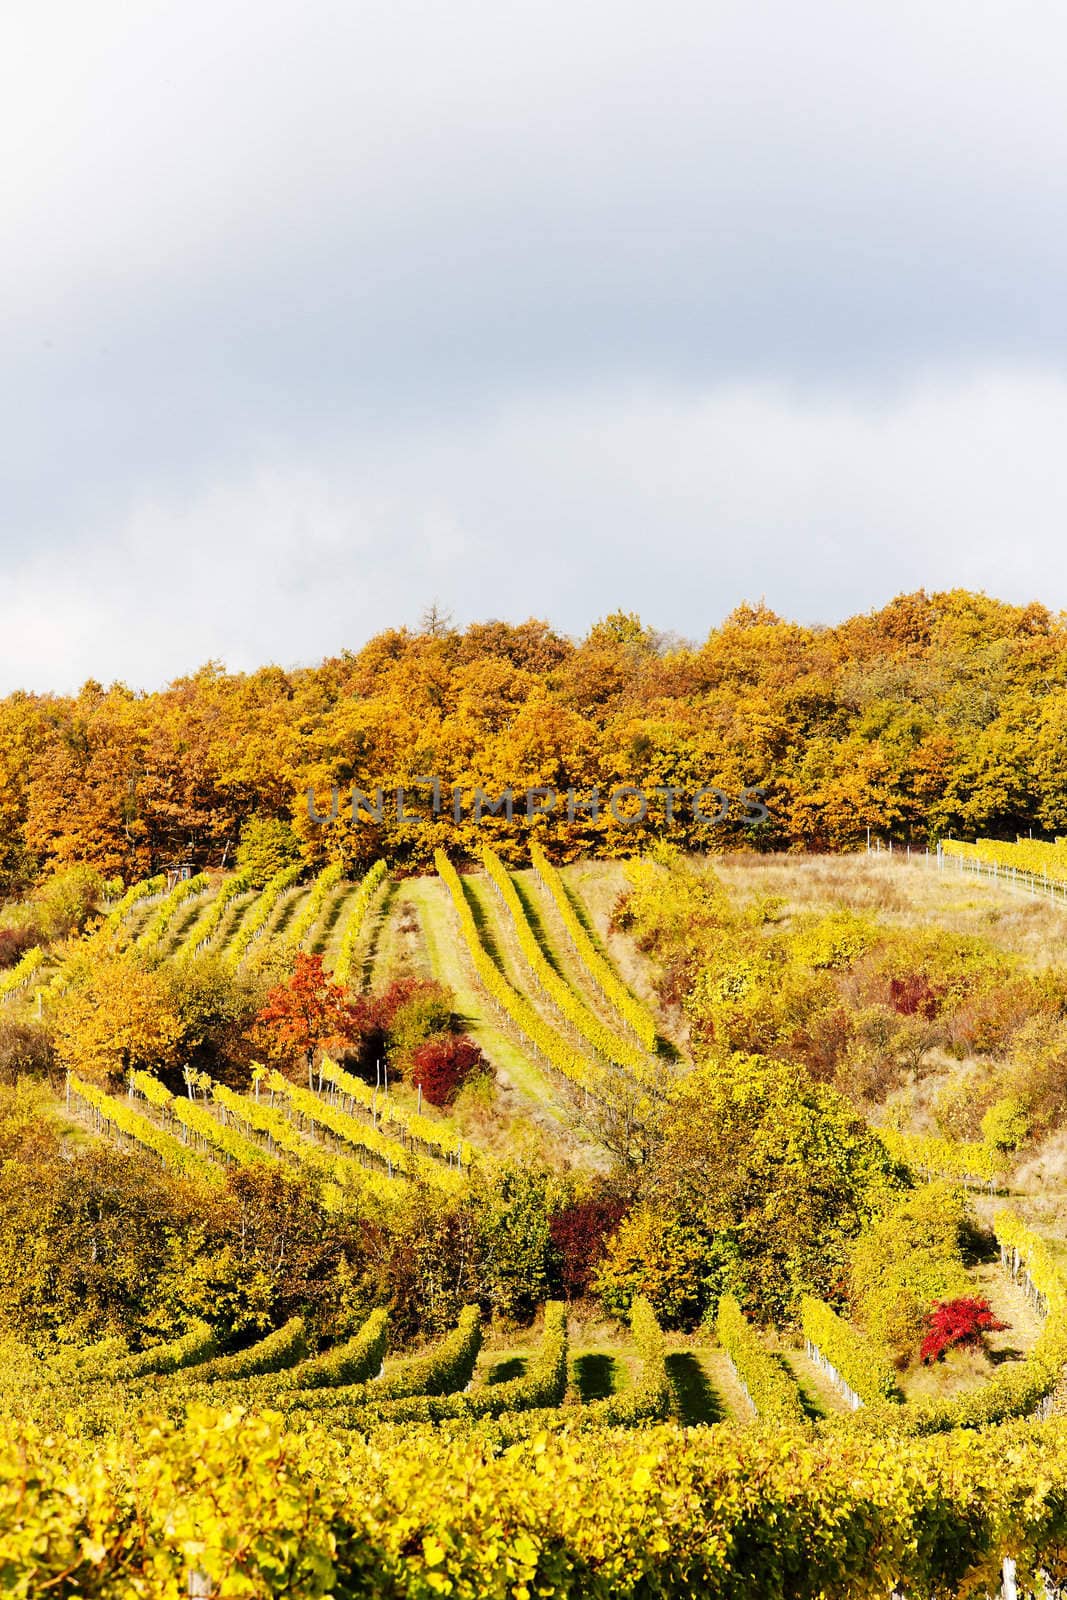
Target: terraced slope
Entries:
(444, 956)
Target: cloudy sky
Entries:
(314, 312)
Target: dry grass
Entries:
(904, 892)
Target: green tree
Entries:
(775, 1172)
(268, 845)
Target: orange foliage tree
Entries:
(308, 1013)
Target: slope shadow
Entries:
(594, 1375)
(694, 1398)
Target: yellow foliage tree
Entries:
(115, 1016)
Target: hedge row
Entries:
(341, 1174)
(860, 1364)
(207, 923)
(195, 1347)
(959, 1161)
(555, 1049)
(650, 1399)
(771, 1391)
(28, 963)
(440, 1136)
(1021, 1249)
(1034, 857)
(199, 1121)
(358, 1359)
(170, 1150)
(342, 971)
(259, 912)
(311, 910)
(348, 1364)
(563, 997)
(361, 1136)
(163, 916)
(254, 1510)
(543, 1384)
(444, 1367)
(282, 1348)
(632, 1012)
(135, 893)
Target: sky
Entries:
(312, 314)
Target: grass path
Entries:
(705, 1388)
(501, 941)
(285, 908)
(551, 933)
(595, 887)
(231, 921)
(322, 930)
(392, 943)
(138, 915)
(182, 921)
(818, 1394)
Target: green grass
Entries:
(329, 917)
(596, 1374)
(234, 916)
(818, 1395)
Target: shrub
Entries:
(957, 1322)
(912, 1255)
(442, 1066)
(412, 1014)
(914, 995)
(395, 1021)
(26, 1051)
(268, 845)
(1006, 1124)
(14, 942)
(579, 1233)
(659, 1257)
(66, 901)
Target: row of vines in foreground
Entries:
(228, 1502)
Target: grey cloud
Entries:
(362, 248)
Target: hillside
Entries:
(713, 1138)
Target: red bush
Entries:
(914, 994)
(378, 1015)
(957, 1322)
(441, 1066)
(578, 1233)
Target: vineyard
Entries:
(707, 1452)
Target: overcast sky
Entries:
(313, 313)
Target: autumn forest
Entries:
(938, 715)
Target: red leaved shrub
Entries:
(957, 1322)
(442, 1065)
(579, 1232)
(913, 995)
